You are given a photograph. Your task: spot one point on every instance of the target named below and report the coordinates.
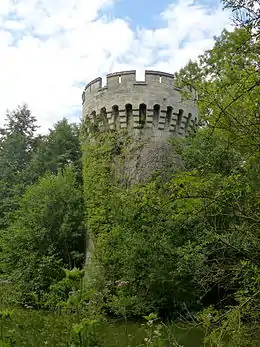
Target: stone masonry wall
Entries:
(121, 98)
(152, 111)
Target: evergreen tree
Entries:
(17, 145)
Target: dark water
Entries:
(30, 328)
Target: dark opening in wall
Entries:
(103, 113)
(103, 116)
(115, 115)
(179, 120)
(93, 116)
(168, 116)
(129, 113)
(142, 115)
(156, 115)
(115, 110)
(188, 122)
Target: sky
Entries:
(50, 49)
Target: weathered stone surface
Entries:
(142, 158)
(152, 112)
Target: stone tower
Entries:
(152, 112)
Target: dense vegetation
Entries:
(182, 248)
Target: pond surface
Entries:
(32, 328)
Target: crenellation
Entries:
(112, 82)
(102, 89)
(152, 79)
(159, 73)
(94, 85)
(153, 106)
(128, 78)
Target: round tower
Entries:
(151, 111)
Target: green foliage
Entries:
(211, 153)
(35, 328)
(179, 246)
(47, 234)
(98, 181)
(136, 279)
(41, 213)
(153, 332)
(170, 241)
(86, 334)
(236, 326)
(227, 82)
(58, 149)
(246, 13)
(184, 247)
(24, 157)
(17, 145)
(5, 337)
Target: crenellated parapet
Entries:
(153, 106)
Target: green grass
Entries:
(32, 328)
(38, 328)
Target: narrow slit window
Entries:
(129, 113)
(188, 122)
(115, 114)
(120, 79)
(103, 116)
(115, 110)
(179, 119)
(142, 115)
(103, 112)
(93, 116)
(169, 115)
(156, 114)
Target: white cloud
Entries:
(48, 47)
(5, 7)
(189, 31)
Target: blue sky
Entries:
(141, 13)
(146, 13)
(50, 49)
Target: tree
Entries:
(246, 13)
(47, 233)
(193, 241)
(59, 148)
(17, 144)
(227, 81)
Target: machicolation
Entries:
(153, 107)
